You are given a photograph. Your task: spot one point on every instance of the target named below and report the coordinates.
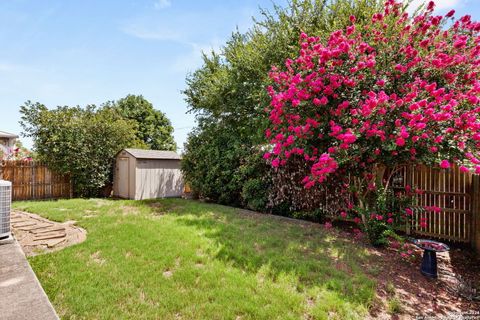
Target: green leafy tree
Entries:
(78, 141)
(227, 94)
(153, 126)
(223, 169)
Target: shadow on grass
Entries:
(277, 246)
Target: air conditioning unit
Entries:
(5, 204)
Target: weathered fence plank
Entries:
(475, 221)
(32, 180)
(451, 191)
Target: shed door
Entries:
(123, 180)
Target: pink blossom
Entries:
(323, 100)
(460, 44)
(450, 13)
(276, 163)
(400, 142)
(348, 138)
(431, 6)
(309, 184)
(445, 164)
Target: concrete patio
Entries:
(22, 295)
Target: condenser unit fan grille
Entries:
(5, 204)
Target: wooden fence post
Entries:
(475, 207)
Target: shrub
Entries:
(235, 175)
(255, 194)
(376, 232)
(401, 90)
(317, 215)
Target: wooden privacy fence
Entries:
(450, 190)
(456, 193)
(32, 180)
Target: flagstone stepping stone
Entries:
(24, 224)
(35, 227)
(52, 235)
(45, 230)
(38, 235)
(53, 242)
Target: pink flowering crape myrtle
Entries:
(396, 91)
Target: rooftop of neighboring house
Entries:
(4, 134)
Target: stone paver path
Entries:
(38, 235)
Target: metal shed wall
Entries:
(158, 178)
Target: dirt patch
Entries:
(129, 210)
(38, 235)
(97, 258)
(101, 202)
(160, 209)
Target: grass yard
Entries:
(183, 259)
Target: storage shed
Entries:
(147, 174)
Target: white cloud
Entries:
(193, 59)
(162, 4)
(158, 33)
(439, 4)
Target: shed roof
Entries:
(4, 134)
(153, 154)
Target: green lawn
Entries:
(183, 259)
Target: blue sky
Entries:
(68, 52)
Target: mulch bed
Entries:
(455, 294)
(456, 291)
